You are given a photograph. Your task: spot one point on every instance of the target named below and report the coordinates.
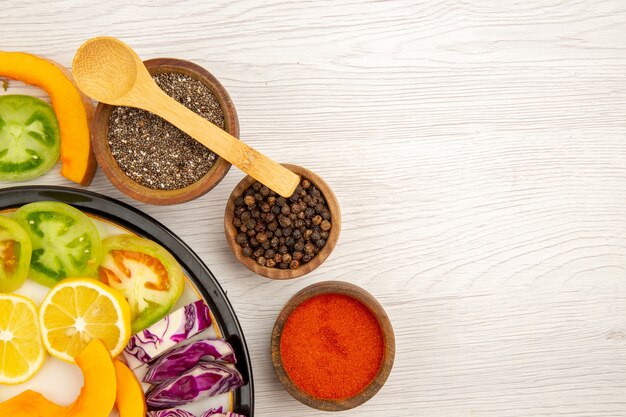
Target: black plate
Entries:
(144, 225)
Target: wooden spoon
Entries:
(108, 70)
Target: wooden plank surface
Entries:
(478, 152)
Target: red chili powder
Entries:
(332, 346)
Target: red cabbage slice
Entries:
(166, 333)
(210, 413)
(182, 359)
(204, 380)
(213, 411)
(171, 412)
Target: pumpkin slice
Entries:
(130, 401)
(97, 396)
(31, 404)
(74, 111)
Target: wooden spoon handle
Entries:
(250, 161)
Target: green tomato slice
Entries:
(15, 251)
(145, 273)
(65, 242)
(30, 139)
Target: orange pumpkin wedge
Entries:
(97, 397)
(130, 401)
(31, 404)
(74, 111)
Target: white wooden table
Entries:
(478, 150)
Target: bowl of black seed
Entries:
(282, 238)
(151, 160)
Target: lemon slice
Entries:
(78, 310)
(21, 351)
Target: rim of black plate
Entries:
(138, 222)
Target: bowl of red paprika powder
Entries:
(333, 346)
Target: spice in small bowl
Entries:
(153, 161)
(279, 237)
(332, 346)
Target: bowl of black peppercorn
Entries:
(282, 238)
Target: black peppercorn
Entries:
(261, 261)
(258, 252)
(239, 202)
(285, 210)
(315, 236)
(290, 241)
(271, 200)
(250, 224)
(283, 250)
(294, 264)
(265, 208)
(249, 200)
(246, 216)
(241, 239)
(254, 243)
(264, 191)
(286, 258)
(284, 221)
(275, 210)
(317, 219)
(324, 235)
(305, 183)
(270, 263)
(256, 186)
(269, 253)
(325, 226)
(280, 201)
(299, 246)
(320, 243)
(297, 255)
(309, 248)
(283, 265)
(261, 237)
(237, 222)
(247, 251)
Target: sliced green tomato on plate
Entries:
(15, 251)
(145, 273)
(30, 139)
(65, 242)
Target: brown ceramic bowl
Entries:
(277, 273)
(100, 132)
(359, 294)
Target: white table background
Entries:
(478, 152)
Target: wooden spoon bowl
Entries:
(277, 273)
(359, 294)
(128, 186)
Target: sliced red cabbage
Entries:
(171, 412)
(166, 333)
(204, 380)
(182, 359)
(210, 413)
